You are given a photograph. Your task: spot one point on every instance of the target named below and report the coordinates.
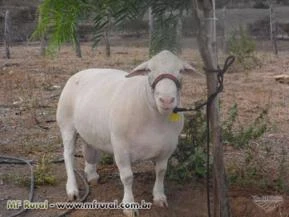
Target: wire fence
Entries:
(262, 25)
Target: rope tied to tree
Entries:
(220, 87)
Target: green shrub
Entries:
(243, 48)
(260, 166)
(43, 174)
(17, 179)
(239, 136)
(189, 160)
(106, 159)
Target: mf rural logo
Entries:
(268, 203)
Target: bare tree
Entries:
(107, 36)
(77, 43)
(151, 26)
(7, 34)
(204, 15)
(224, 29)
(179, 30)
(43, 44)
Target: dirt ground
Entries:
(29, 90)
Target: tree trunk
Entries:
(151, 23)
(77, 44)
(225, 49)
(43, 40)
(43, 44)
(204, 18)
(214, 32)
(7, 34)
(106, 37)
(151, 29)
(179, 31)
(107, 44)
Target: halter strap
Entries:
(166, 75)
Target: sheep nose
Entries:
(167, 100)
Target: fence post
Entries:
(273, 28)
(7, 34)
(224, 30)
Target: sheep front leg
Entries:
(123, 163)
(126, 177)
(91, 159)
(69, 137)
(159, 196)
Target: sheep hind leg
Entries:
(159, 196)
(91, 159)
(69, 138)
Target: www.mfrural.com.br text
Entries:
(26, 204)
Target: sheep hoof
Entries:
(131, 212)
(161, 202)
(92, 179)
(73, 196)
(93, 182)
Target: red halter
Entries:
(166, 75)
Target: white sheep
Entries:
(124, 114)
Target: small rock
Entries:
(283, 79)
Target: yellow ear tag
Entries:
(174, 117)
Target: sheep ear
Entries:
(188, 68)
(141, 69)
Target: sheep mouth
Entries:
(166, 109)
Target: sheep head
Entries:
(164, 76)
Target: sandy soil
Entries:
(29, 89)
